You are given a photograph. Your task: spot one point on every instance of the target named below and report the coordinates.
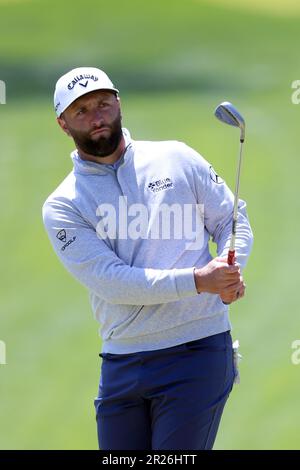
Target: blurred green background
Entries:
(173, 61)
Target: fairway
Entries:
(288, 8)
(173, 66)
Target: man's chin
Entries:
(101, 151)
(103, 154)
(98, 145)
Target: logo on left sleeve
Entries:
(62, 236)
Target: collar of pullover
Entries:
(86, 167)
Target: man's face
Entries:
(94, 122)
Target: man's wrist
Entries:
(197, 278)
(185, 282)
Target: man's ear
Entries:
(119, 101)
(62, 123)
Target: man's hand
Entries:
(231, 295)
(217, 277)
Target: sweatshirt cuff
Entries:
(185, 282)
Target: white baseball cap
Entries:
(78, 82)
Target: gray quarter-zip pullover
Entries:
(133, 232)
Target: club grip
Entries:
(231, 257)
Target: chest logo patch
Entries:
(160, 185)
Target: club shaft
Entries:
(236, 198)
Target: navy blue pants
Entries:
(167, 399)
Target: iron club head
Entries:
(227, 113)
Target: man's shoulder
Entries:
(62, 195)
(161, 148)
(170, 148)
(163, 144)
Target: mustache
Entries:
(99, 128)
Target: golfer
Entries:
(132, 223)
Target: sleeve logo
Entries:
(62, 236)
(214, 177)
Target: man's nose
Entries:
(97, 118)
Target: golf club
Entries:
(227, 113)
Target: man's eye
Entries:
(80, 111)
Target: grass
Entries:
(174, 65)
(289, 8)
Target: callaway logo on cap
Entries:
(78, 82)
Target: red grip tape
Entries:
(231, 257)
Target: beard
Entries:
(102, 146)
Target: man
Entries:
(132, 223)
